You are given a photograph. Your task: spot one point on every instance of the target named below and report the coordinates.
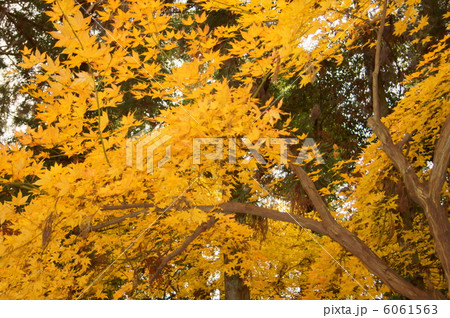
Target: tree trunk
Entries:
(437, 218)
(235, 289)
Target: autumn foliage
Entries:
(77, 221)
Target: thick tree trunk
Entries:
(426, 193)
(437, 218)
(235, 289)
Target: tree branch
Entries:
(126, 206)
(226, 208)
(311, 190)
(352, 243)
(117, 220)
(440, 162)
(405, 140)
(19, 27)
(166, 259)
(243, 208)
(376, 71)
(413, 185)
(331, 228)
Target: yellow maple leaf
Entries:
(187, 21)
(19, 199)
(400, 27)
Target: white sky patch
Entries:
(310, 41)
(7, 77)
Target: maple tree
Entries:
(77, 221)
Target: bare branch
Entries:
(352, 243)
(412, 183)
(311, 190)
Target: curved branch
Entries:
(413, 185)
(245, 208)
(227, 208)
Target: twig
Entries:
(166, 259)
(117, 220)
(126, 206)
(376, 71)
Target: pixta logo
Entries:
(151, 143)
